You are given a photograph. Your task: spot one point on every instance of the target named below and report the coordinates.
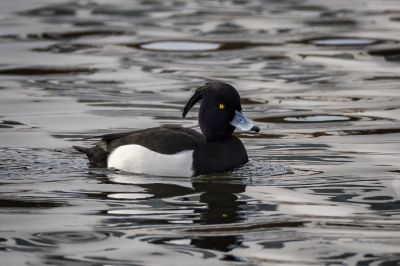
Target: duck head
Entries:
(220, 111)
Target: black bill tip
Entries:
(255, 129)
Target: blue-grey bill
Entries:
(240, 121)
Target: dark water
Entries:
(321, 78)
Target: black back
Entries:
(165, 139)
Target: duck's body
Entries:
(166, 151)
(178, 151)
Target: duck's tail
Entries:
(96, 155)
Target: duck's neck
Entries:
(218, 138)
(215, 131)
(213, 135)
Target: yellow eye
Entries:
(221, 106)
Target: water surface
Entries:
(321, 79)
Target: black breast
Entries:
(219, 156)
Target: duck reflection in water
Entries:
(224, 207)
(222, 201)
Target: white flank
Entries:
(138, 159)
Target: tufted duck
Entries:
(178, 151)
